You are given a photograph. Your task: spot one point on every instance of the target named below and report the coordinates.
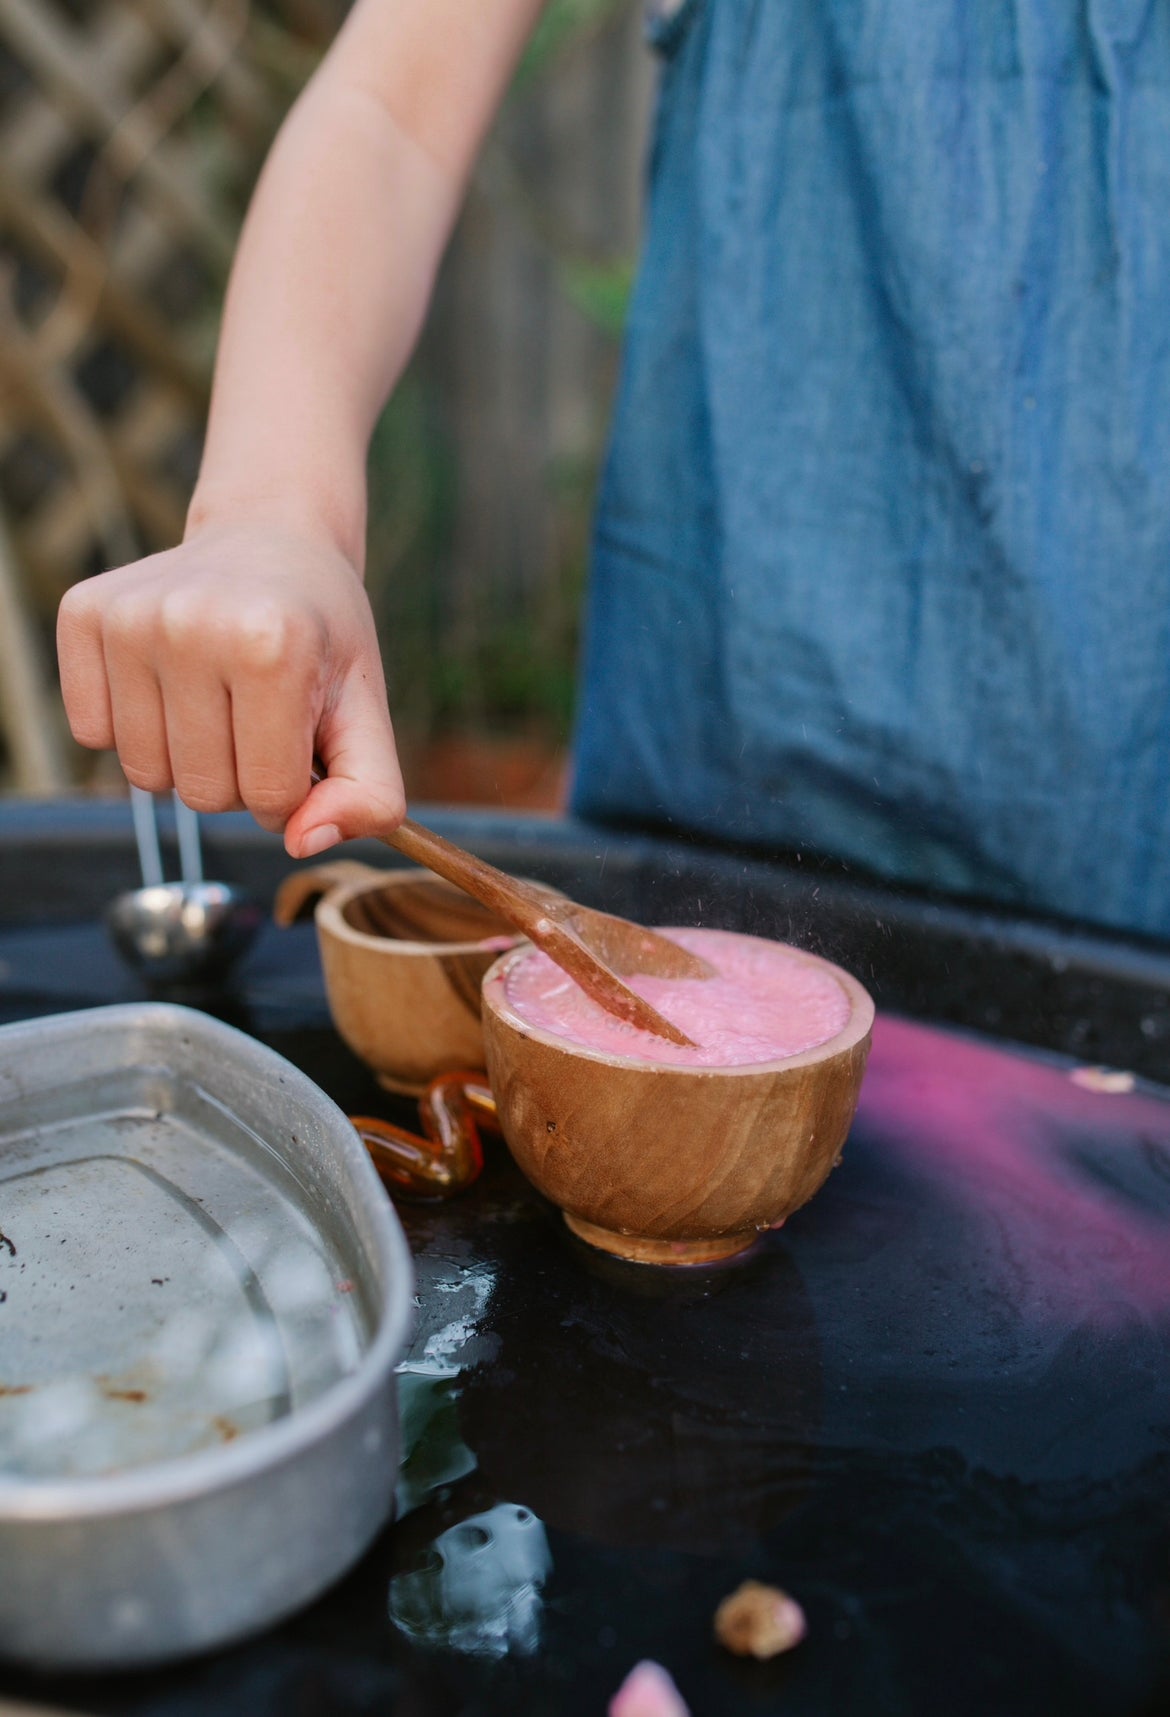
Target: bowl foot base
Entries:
(640, 1249)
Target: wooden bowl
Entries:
(404, 955)
(672, 1165)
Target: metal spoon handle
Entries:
(146, 835)
(190, 854)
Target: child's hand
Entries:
(221, 667)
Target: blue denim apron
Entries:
(882, 558)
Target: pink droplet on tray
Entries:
(648, 1691)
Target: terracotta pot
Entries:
(672, 1164)
(404, 955)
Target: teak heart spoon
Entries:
(596, 949)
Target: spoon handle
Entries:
(190, 851)
(146, 836)
(519, 903)
(548, 921)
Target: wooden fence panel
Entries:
(129, 133)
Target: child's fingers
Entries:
(273, 726)
(209, 668)
(83, 673)
(199, 741)
(139, 721)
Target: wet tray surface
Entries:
(935, 1407)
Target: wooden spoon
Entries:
(594, 948)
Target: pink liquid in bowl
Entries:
(764, 1003)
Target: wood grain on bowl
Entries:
(404, 956)
(664, 1163)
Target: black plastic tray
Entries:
(935, 1407)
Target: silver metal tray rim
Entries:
(194, 1475)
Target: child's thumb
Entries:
(361, 791)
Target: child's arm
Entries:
(220, 666)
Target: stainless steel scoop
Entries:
(178, 932)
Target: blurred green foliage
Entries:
(564, 26)
(600, 290)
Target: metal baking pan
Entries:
(203, 1293)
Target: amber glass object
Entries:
(447, 1155)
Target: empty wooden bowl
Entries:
(404, 955)
(665, 1164)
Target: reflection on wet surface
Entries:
(649, 1429)
(433, 1454)
(475, 1588)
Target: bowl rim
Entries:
(855, 1030)
(327, 914)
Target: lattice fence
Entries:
(130, 134)
(130, 131)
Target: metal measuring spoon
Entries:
(178, 932)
